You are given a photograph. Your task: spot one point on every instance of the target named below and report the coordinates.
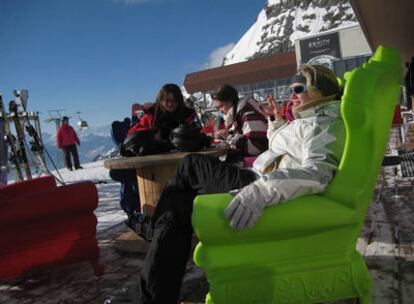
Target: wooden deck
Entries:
(386, 241)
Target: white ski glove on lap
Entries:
(245, 208)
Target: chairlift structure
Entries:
(55, 116)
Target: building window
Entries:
(343, 65)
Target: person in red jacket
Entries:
(146, 121)
(67, 139)
(167, 114)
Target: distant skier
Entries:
(67, 139)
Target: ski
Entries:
(20, 137)
(14, 158)
(36, 144)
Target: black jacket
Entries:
(166, 122)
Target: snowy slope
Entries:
(281, 22)
(94, 171)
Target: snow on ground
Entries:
(92, 171)
(108, 212)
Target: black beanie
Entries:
(298, 77)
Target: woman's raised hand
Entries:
(272, 109)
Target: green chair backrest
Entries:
(368, 102)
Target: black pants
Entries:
(164, 265)
(129, 189)
(68, 150)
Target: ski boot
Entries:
(141, 224)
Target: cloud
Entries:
(215, 59)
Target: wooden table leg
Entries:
(151, 182)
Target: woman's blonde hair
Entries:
(321, 78)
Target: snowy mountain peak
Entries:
(280, 22)
(273, 2)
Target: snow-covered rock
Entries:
(281, 22)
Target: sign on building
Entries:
(321, 49)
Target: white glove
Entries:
(245, 208)
(233, 139)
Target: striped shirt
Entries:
(249, 127)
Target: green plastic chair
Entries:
(304, 251)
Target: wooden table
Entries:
(154, 171)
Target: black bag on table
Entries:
(143, 143)
(189, 139)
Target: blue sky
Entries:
(100, 56)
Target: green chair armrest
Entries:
(300, 217)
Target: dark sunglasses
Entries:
(298, 89)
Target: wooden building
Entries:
(262, 76)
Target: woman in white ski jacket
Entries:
(303, 154)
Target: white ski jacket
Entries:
(303, 154)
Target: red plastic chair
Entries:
(42, 225)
